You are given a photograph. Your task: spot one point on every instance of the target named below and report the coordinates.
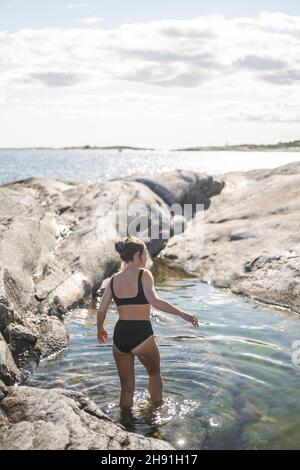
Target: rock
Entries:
(7, 313)
(8, 369)
(56, 247)
(251, 237)
(3, 390)
(21, 337)
(58, 419)
(181, 186)
(52, 338)
(178, 188)
(270, 435)
(57, 244)
(37, 337)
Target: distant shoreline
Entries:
(293, 146)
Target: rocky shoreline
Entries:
(58, 419)
(57, 249)
(251, 238)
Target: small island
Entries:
(285, 146)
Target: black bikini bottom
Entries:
(130, 333)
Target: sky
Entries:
(160, 74)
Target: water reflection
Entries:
(103, 164)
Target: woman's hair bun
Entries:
(119, 246)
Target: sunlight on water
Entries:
(230, 384)
(99, 165)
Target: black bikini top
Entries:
(138, 299)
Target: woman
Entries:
(133, 290)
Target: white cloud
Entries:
(276, 21)
(56, 79)
(72, 6)
(205, 70)
(92, 21)
(168, 53)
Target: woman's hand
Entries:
(190, 318)
(102, 335)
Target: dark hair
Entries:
(129, 247)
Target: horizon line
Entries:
(195, 147)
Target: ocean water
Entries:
(99, 165)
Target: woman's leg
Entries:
(125, 366)
(148, 354)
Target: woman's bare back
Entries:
(125, 285)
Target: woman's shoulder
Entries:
(116, 274)
(113, 277)
(146, 274)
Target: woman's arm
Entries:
(101, 312)
(163, 305)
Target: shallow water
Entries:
(230, 384)
(99, 165)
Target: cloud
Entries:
(196, 32)
(207, 59)
(255, 62)
(72, 6)
(276, 21)
(164, 75)
(267, 117)
(56, 79)
(91, 21)
(284, 110)
(167, 55)
(282, 77)
(177, 53)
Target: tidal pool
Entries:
(230, 384)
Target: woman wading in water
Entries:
(133, 292)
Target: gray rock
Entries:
(57, 245)
(251, 237)
(52, 338)
(8, 369)
(21, 337)
(3, 390)
(58, 419)
(181, 186)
